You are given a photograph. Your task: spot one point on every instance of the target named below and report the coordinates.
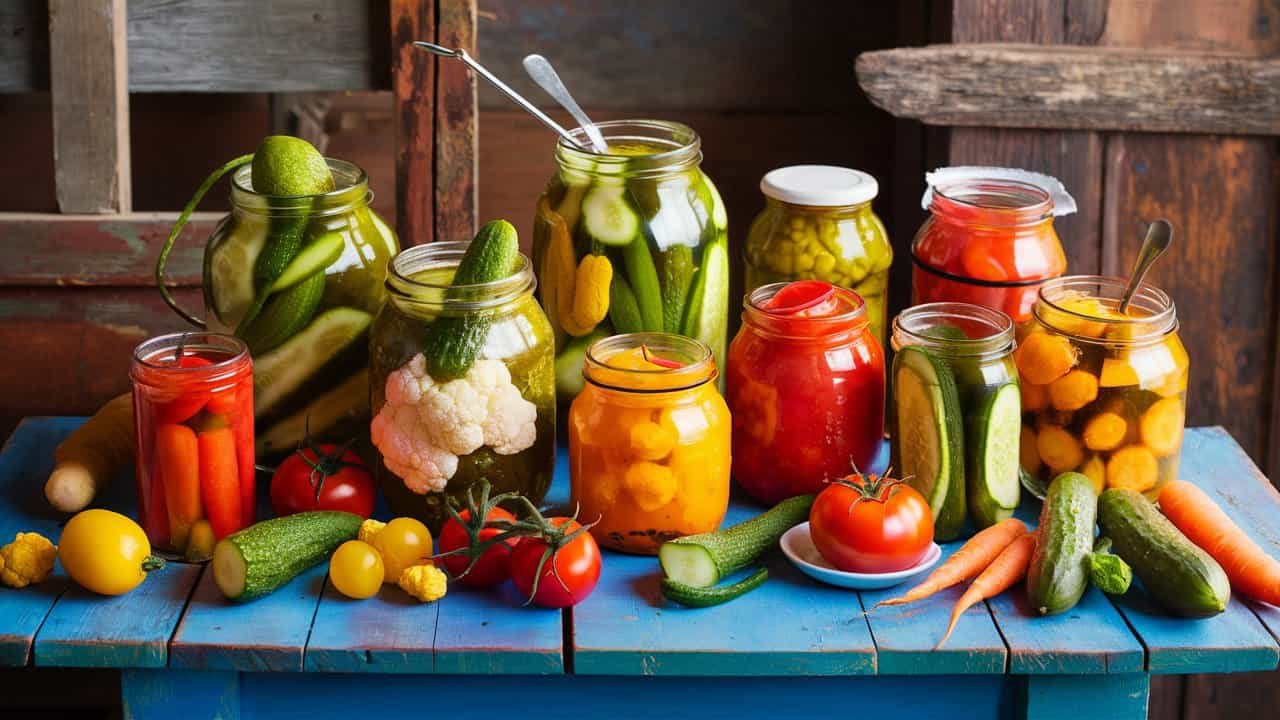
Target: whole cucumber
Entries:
(1059, 572)
(1177, 574)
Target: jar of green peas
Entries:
(817, 224)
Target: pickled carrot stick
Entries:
(220, 480)
(177, 458)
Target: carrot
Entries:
(1251, 570)
(1105, 431)
(1059, 449)
(220, 480)
(1133, 467)
(1073, 390)
(245, 453)
(971, 559)
(177, 456)
(1161, 426)
(1043, 358)
(1009, 567)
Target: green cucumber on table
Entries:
(701, 561)
(259, 559)
(1059, 572)
(928, 438)
(1179, 576)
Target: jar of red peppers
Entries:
(805, 388)
(989, 238)
(193, 419)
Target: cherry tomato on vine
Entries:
(492, 564)
(570, 572)
(325, 477)
(871, 524)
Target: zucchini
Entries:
(285, 369)
(643, 275)
(454, 342)
(1181, 577)
(707, 596)
(258, 560)
(1109, 573)
(991, 464)
(928, 441)
(700, 561)
(1059, 572)
(676, 277)
(608, 215)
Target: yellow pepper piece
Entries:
(27, 560)
(427, 583)
(651, 441)
(652, 485)
(562, 268)
(590, 294)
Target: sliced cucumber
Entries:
(928, 443)
(708, 596)
(345, 402)
(284, 315)
(570, 207)
(230, 285)
(719, 218)
(283, 370)
(608, 215)
(707, 315)
(313, 259)
(991, 473)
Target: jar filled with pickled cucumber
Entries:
(296, 270)
(461, 378)
(1103, 393)
(631, 240)
(818, 224)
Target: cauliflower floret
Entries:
(425, 426)
(426, 583)
(27, 560)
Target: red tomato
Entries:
(567, 577)
(327, 477)
(871, 525)
(493, 564)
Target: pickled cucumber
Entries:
(675, 279)
(283, 370)
(230, 287)
(706, 318)
(328, 415)
(284, 314)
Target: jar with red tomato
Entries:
(989, 239)
(193, 420)
(805, 387)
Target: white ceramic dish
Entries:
(798, 546)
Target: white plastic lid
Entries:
(1063, 203)
(819, 185)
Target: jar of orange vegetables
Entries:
(1103, 393)
(649, 441)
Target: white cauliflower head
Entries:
(425, 426)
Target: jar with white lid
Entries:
(817, 224)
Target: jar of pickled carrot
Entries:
(649, 441)
(987, 241)
(1103, 393)
(806, 387)
(193, 420)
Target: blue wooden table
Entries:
(792, 646)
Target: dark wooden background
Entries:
(766, 83)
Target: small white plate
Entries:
(798, 547)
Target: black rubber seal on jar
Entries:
(975, 281)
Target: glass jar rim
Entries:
(999, 201)
(915, 322)
(682, 148)
(236, 351)
(351, 187)
(469, 297)
(755, 314)
(698, 370)
(1162, 321)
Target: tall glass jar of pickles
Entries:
(818, 224)
(632, 240)
(1103, 393)
(649, 441)
(443, 422)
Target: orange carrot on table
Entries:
(220, 480)
(970, 560)
(177, 458)
(1251, 570)
(1009, 567)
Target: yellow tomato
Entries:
(356, 570)
(105, 552)
(403, 543)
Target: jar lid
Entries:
(819, 185)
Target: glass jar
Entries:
(657, 220)
(988, 242)
(1103, 393)
(309, 340)
(817, 224)
(649, 442)
(807, 394)
(974, 345)
(437, 439)
(193, 425)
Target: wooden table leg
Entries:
(1078, 697)
(163, 694)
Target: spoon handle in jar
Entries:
(1159, 235)
(539, 68)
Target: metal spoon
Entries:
(539, 68)
(1159, 235)
(516, 97)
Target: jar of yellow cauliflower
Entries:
(818, 224)
(649, 441)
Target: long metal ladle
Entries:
(1159, 235)
(516, 97)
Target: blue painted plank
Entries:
(165, 694)
(1091, 638)
(269, 633)
(491, 633)
(1236, 640)
(391, 632)
(286, 696)
(1072, 697)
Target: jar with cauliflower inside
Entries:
(436, 436)
(649, 441)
